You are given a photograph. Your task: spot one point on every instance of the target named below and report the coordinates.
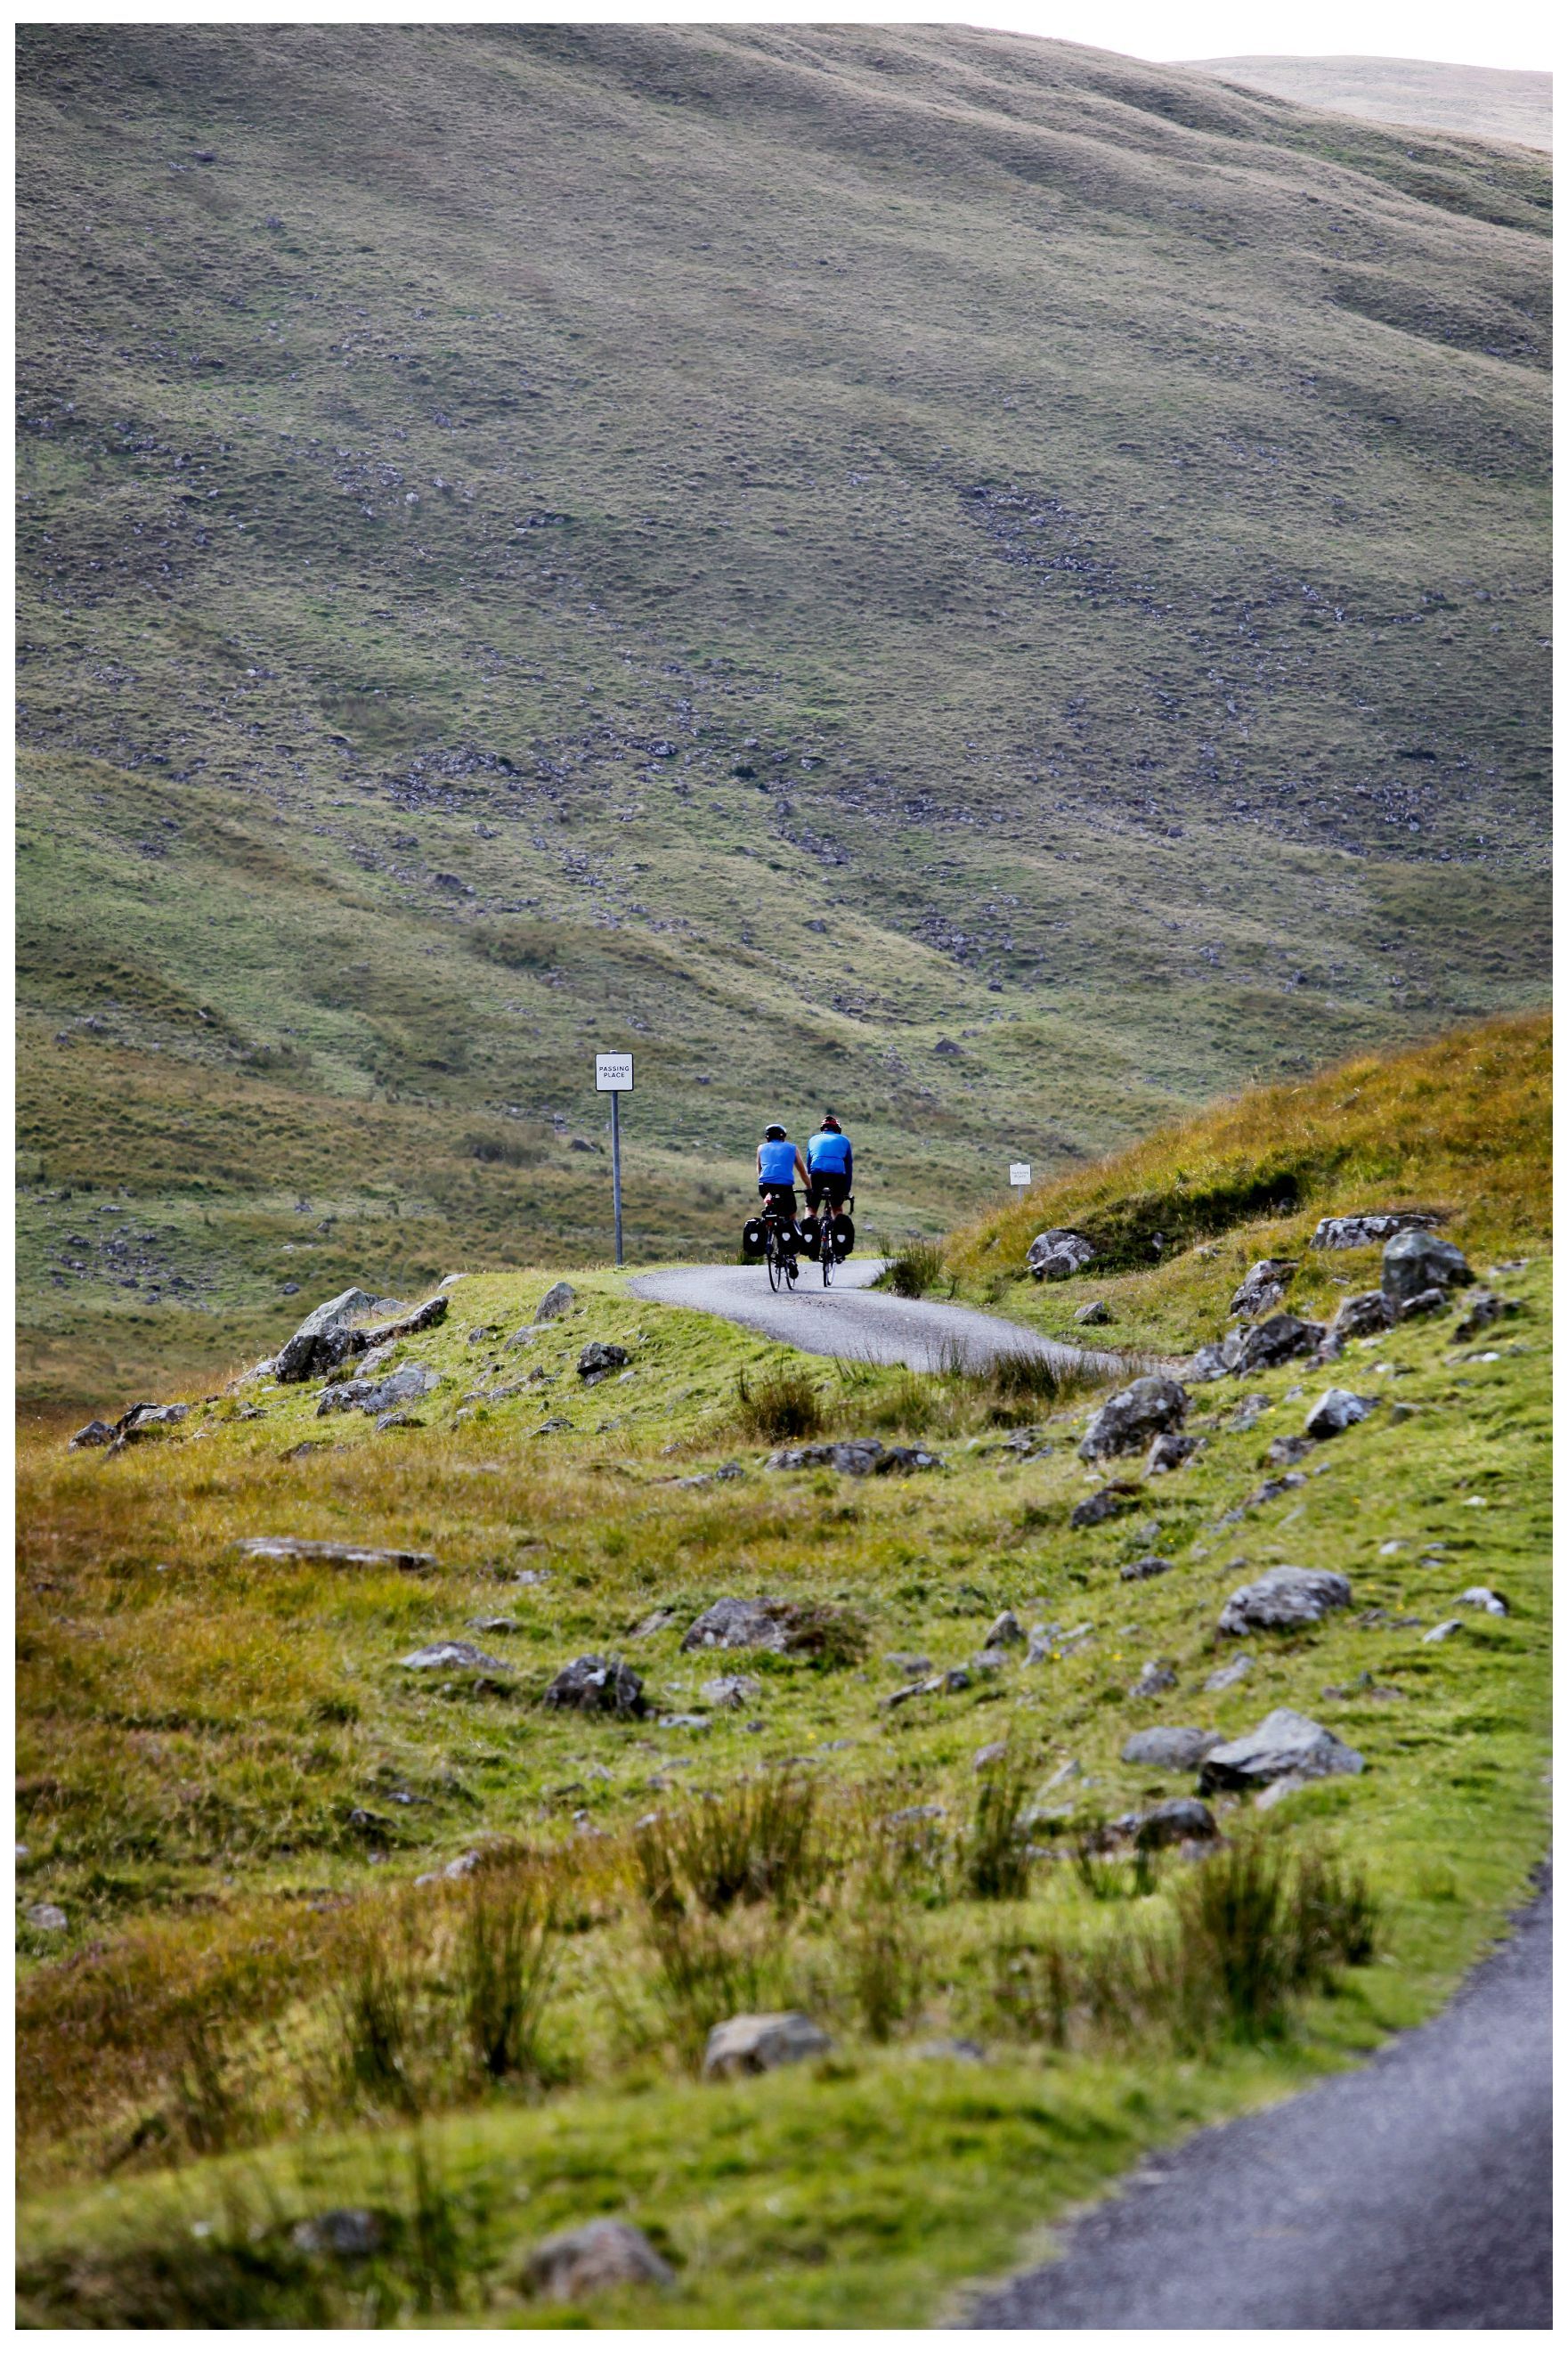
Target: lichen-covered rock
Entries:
(1285, 1742)
(457, 1657)
(1169, 1452)
(1368, 1226)
(556, 1303)
(597, 1687)
(599, 1358)
(1148, 1405)
(1106, 1504)
(1283, 1598)
(1417, 1261)
(595, 2257)
(737, 1624)
(753, 2044)
(1057, 1253)
(731, 1690)
(1275, 1342)
(1262, 1287)
(385, 1395)
(336, 1330)
(1363, 1314)
(1215, 1359)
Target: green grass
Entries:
(347, 828)
(199, 1728)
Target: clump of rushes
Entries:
(376, 2004)
(778, 1406)
(759, 1842)
(994, 1858)
(508, 1946)
(917, 1268)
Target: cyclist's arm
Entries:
(804, 1173)
(850, 1163)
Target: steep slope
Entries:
(1477, 101)
(976, 576)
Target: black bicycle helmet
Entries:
(774, 1134)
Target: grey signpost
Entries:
(1019, 1175)
(612, 1077)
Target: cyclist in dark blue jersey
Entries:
(830, 1166)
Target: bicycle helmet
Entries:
(830, 1120)
(774, 1134)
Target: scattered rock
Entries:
(333, 1332)
(1057, 1253)
(1133, 1417)
(1262, 1287)
(988, 1662)
(47, 1917)
(1169, 1452)
(1481, 1597)
(1440, 1633)
(1169, 1747)
(1093, 1311)
(1285, 1742)
(600, 1358)
(349, 2233)
(1292, 1449)
(994, 1752)
(556, 1303)
(1004, 1632)
(1368, 1226)
(597, 1687)
(1337, 1410)
(1119, 1496)
(954, 2046)
(654, 1623)
(752, 2045)
(1275, 1342)
(1178, 1821)
(859, 1457)
(1149, 1563)
(1239, 1668)
(1158, 1676)
(737, 1624)
(1425, 1303)
(731, 1690)
(464, 1657)
(139, 1423)
(1416, 1262)
(1483, 1307)
(1361, 1315)
(593, 2258)
(335, 1553)
(1215, 1359)
(404, 1387)
(1249, 1412)
(92, 1433)
(1284, 1598)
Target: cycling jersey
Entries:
(828, 1154)
(775, 1161)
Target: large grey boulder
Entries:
(1337, 1410)
(1283, 1598)
(1057, 1253)
(597, 1687)
(1368, 1226)
(1361, 1315)
(1169, 1747)
(1283, 1743)
(753, 2044)
(1417, 1261)
(1275, 1342)
(311, 1352)
(556, 1303)
(1262, 1287)
(1133, 1417)
(408, 1383)
(593, 2258)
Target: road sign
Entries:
(1017, 1172)
(612, 1077)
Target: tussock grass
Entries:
(914, 1271)
(763, 1841)
(778, 1406)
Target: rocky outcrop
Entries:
(593, 2258)
(334, 1554)
(556, 1302)
(599, 1359)
(402, 1387)
(332, 1332)
(1169, 1747)
(1368, 1226)
(1416, 1262)
(859, 1457)
(1141, 1411)
(1275, 1340)
(1283, 1599)
(1284, 1743)
(1057, 1253)
(1359, 1317)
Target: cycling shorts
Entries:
(780, 1198)
(829, 1185)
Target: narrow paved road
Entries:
(850, 1321)
(1416, 2193)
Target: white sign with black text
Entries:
(1018, 1172)
(613, 1073)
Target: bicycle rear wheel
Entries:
(775, 1269)
(827, 1252)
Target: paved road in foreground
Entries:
(1414, 2193)
(850, 1321)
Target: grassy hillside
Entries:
(260, 2008)
(1477, 101)
(976, 576)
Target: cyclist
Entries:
(830, 1166)
(778, 1165)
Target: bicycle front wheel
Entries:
(775, 1270)
(827, 1256)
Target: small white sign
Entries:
(613, 1073)
(1018, 1172)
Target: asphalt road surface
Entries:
(849, 1320)
(1414, 2193)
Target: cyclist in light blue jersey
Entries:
(830, 1166)
(778, 1166)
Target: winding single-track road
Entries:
(850, 1321)
(1414, 2193)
